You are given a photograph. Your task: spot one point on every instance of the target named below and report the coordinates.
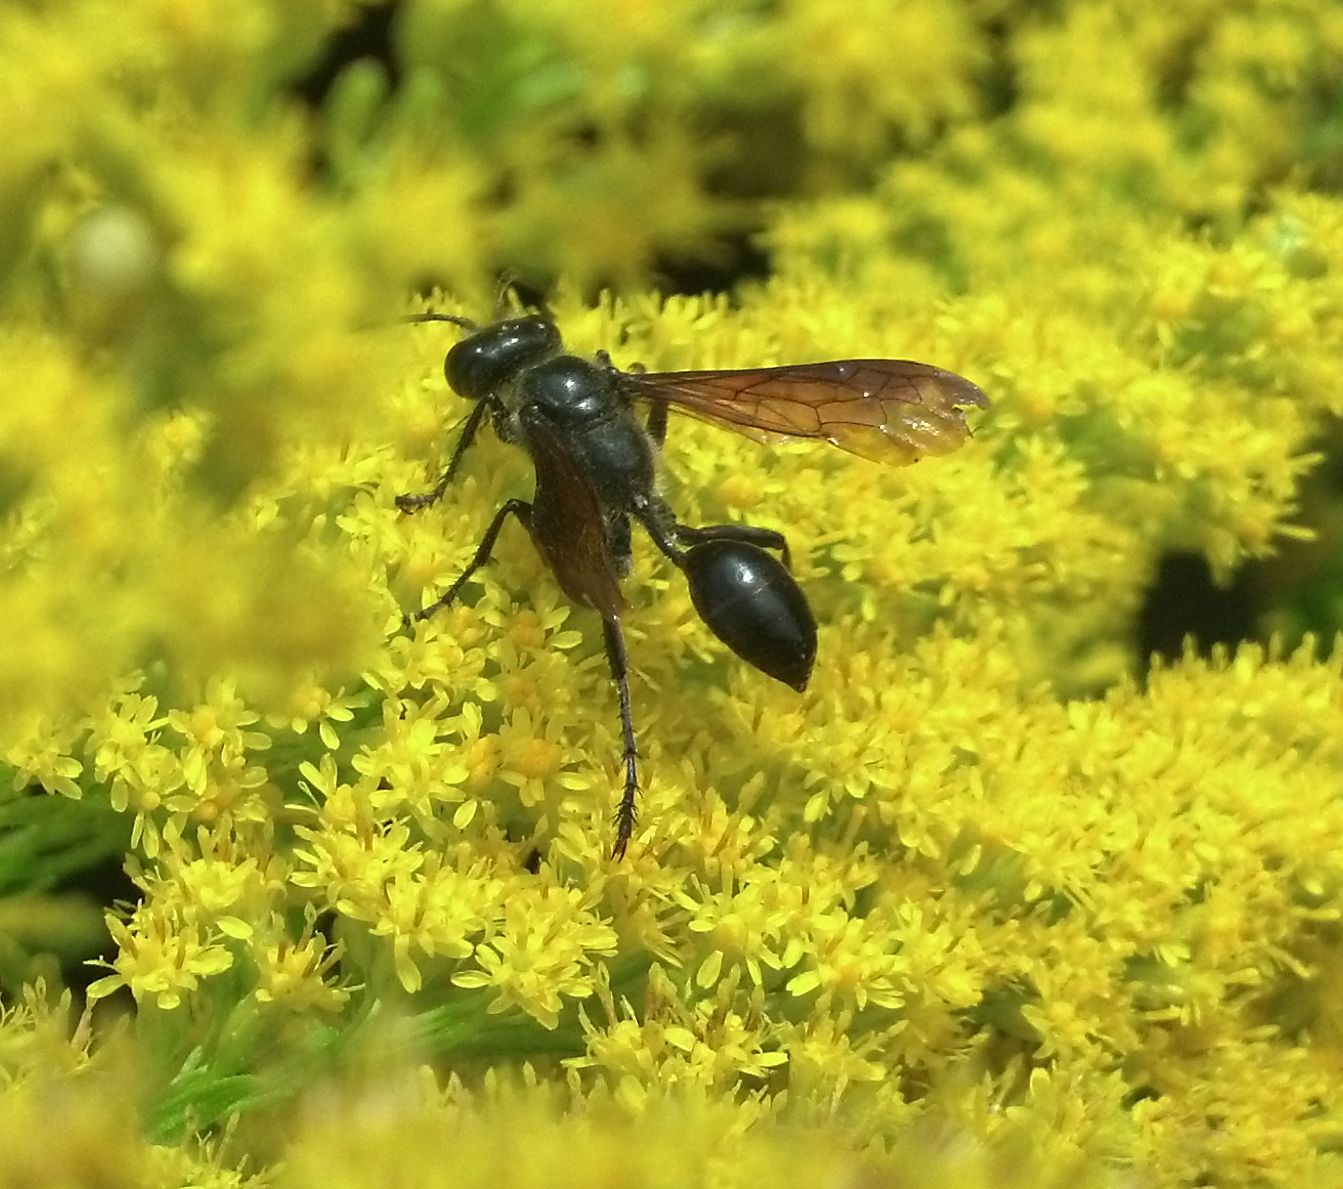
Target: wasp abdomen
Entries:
(755, 607)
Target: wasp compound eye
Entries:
(754, 606)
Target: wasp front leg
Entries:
(414, 501)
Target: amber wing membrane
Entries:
(891, 410)
(568, 524)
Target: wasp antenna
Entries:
(455, 319)
(507, 282)
(528, 296)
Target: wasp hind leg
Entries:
(626, 811)
(619, 542)
(765, 538)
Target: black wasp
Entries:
(596, 470)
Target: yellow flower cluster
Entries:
(993, 900)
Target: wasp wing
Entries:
(568, 523)
(890, 410)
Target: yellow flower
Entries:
(541, 951)
(434, 912)
(296, 973)
(38, 753)
(161, 958)
(982, 880)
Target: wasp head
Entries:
(489, 358)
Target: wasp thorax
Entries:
(567, 389)
(484, 361)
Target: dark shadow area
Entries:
(369, 36)
(1185, 601)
